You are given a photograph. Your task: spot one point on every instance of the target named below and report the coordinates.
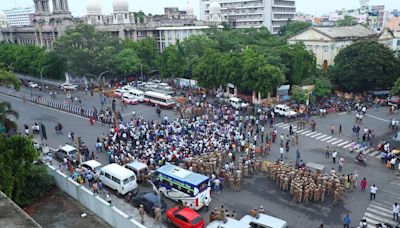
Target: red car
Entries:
(185, 217)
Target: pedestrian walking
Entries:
(141, 213)
(206, 203)
(346, 221)
(340, 129)
(334, 155)
(363, 184)
(157, 215)
(296, 138)
(333, 129)
(341, 161)
(327, 152)
(91, 120)
(396, 211)
(374, 189)
(108, 198)
(217, 182)
(281, 152)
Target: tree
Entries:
(20, 180)
(293, 27)
(207, 71)
(299, 95)
(346, 21)
(86, 51)
(365, 65)
(8, 78)
(396, 88)
(257, 74)
(323, 87)
(170, 62)
(126, 61)
(8, 116)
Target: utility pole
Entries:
(41, 75)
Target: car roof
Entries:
(264, 219)
(229, 223)
(137, 165)
(188, 213)
(92, 164)
(68, 148)
(152, 196)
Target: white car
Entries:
(92, 165)
(33, 85)
(69, 86)
(238, 103)
(284, 110)
(129, 99)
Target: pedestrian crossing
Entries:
(330, 139)
(380, 209)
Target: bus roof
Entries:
(157, 94)
(182, 175)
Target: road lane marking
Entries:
(331, 140)
(279, 124)
(301, 131)
(336, 142)
(312, 133)
(378, 118)
(286, 127)
(305, 132)
(342, 143)
(320, 137)
(341, 113)
(347, 146)
(313, 136)
(324, 139)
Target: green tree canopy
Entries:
(346, 21)
(8, 78)
(365, 65)
(293, 27)
(85, 50)
(20, 180)
(396, 87)
(299, 95)
(126, 61)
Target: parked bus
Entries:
(162, 100)
(183, 186)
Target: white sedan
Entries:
(130, 99)
(33, 85)
(119, 92)
(69, 86)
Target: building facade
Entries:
(326, 42)
(48, 25)
(271, 14)
(19, 16)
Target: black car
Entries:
(150, 201)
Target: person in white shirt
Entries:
(374, 189)
(334, 155)
(396, 211)
(281, 151)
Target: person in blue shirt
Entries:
(346, 221)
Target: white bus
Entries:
(138, 94)
(183, 186)
(162, 100)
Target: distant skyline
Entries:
(315, 7)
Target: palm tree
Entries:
(6, 114)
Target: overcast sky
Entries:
(316, 7)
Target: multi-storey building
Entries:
(19, 16)
(271, 14)
(48, 26)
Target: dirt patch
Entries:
(57, 209)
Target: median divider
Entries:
(109, 213)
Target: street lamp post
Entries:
(41, 75)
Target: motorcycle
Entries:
(360, 159)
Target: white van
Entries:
(118, 178)
(263, 221)
(228, 223)
(284, 110)
(237, 103)
(138, 94)
(140, 169)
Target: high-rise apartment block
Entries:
(17, 17)
(271, 14)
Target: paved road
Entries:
(259, 190)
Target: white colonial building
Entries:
(326, 42)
